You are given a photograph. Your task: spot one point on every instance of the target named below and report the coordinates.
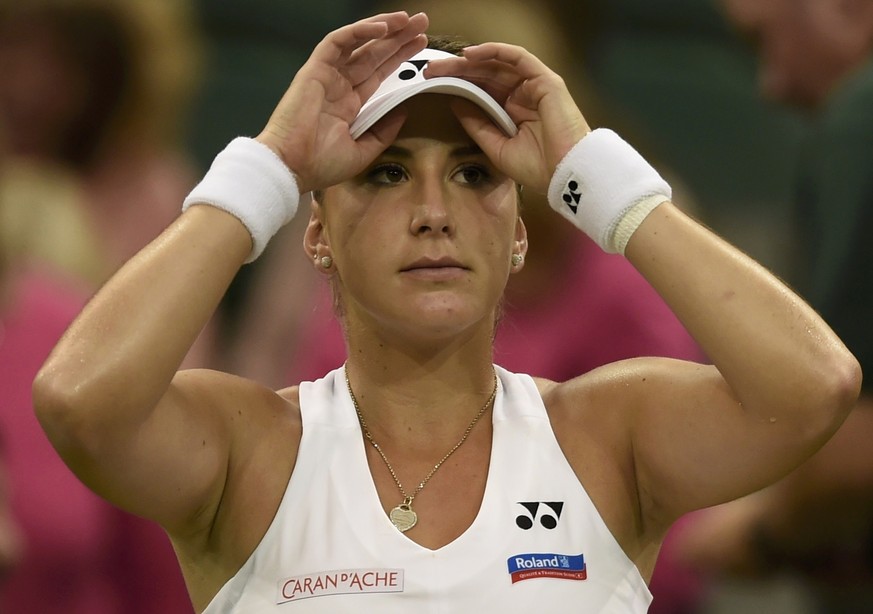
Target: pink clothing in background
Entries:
(599, 310)
(82, 556)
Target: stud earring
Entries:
(326, 262)
(517, 259)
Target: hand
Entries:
(309, 129)
(549, 122)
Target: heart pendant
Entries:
(403, 517)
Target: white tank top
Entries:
(536, 545)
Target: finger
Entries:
(375, 140)
(481, 129)
(496, 78)
(524, 62)
(499, 66)
(369, 56)
(369, 85)
(527, 170)
(337, 46)
(373, 55)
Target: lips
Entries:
(435, 270)
(432, 264)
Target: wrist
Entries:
(606, 189)
(249, 180)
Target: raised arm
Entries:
(781, 383)
(158, 442)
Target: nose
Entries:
(433, 212)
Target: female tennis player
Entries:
(420, 476)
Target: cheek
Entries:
(503, 238)
(364, 241)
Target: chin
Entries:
(447, 318)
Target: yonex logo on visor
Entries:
(408, 81)
(408, 74)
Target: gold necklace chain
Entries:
(403, 516)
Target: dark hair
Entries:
(450, 44)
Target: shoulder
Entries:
(598, 406)
(263, 430)
(259, 420)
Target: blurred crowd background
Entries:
(110, 111)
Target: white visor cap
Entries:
(408, 81)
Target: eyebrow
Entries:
(458, 152)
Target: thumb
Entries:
(375, 140)
(481, 129)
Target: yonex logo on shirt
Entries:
(548, 518)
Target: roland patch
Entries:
(546, 565)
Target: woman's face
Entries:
(422, 240)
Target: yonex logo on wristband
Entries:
(572, 195)
(599, 180)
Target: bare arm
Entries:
(781, 385)
(162, 444)
(105, 396)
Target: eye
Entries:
(387, 174)
(472, 174)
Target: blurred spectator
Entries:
(93, 97)
(94, 92)
(818, 522)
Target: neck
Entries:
(420, 396)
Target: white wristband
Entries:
(249, 181)
(606, 189)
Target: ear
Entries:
(315, 240)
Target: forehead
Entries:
(430, 116)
